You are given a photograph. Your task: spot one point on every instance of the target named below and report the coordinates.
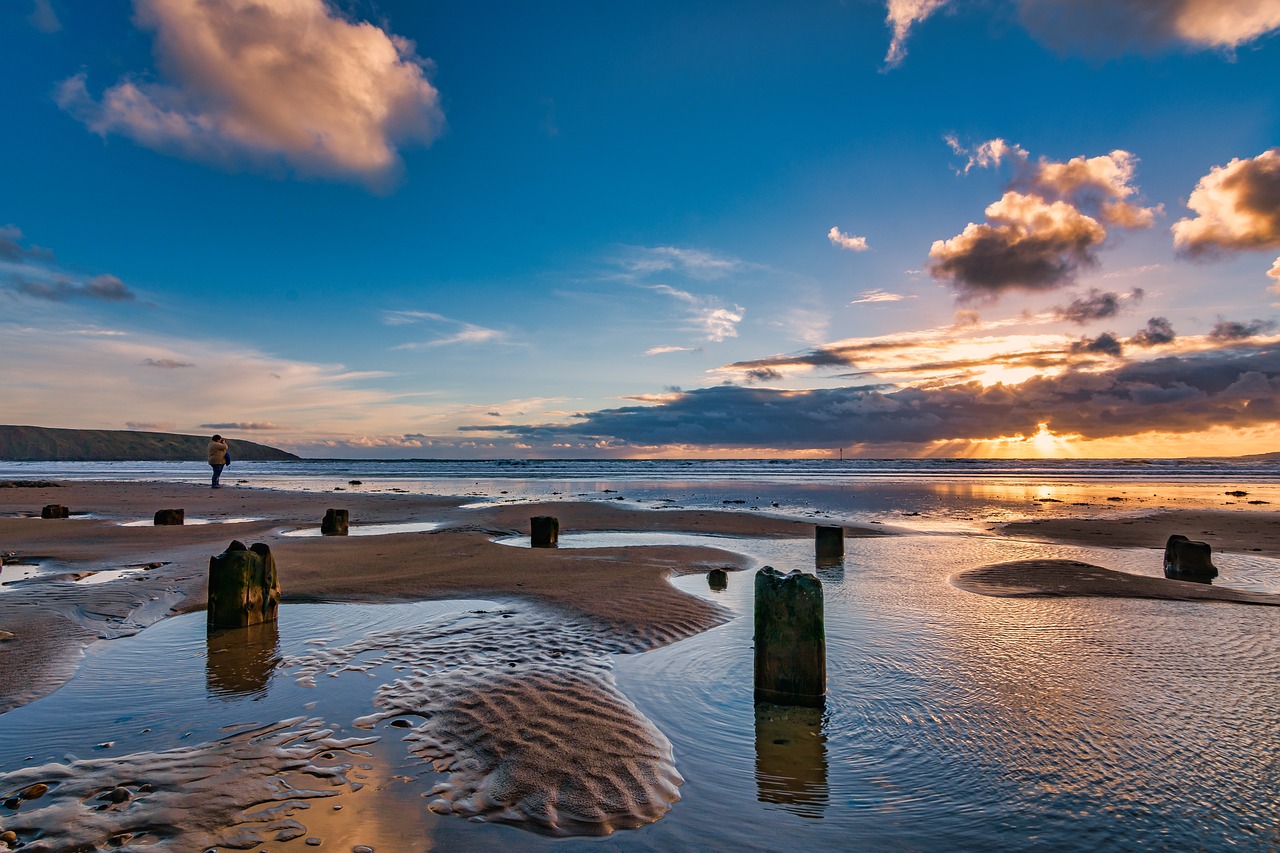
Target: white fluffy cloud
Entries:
(264, 83)
(901, 16)
(847, 241)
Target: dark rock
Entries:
(1187, 560)
(166, 517)
(54, 511)
(790, 639)
(336, 522)
(243, 587)
(1237, 494)
(718, 579)
(544, 531)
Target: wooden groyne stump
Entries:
(166, 517)
(544, 531)
(335, 523)
(54, 511)
(1185, 560)
(828, 542)
(790, 639)
(243, 586)
(718, 579)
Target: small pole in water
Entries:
(790, 639)
(544, 531)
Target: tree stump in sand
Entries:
(791, 646)
(169, 517)
(718, 579)
(335, 523)
(55, 511)
(544, 531)
(1186, 560)
(243, 587)
(828, 542)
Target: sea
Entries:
(952, 721)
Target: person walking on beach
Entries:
(217, 459)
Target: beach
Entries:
(613, 600)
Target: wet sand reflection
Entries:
(240, 661)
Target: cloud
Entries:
(1095, 305)
(240, 425)
(43, 18)
(1104, 344)
(268, 83)
(148, 426)
(873, 296)
(666, 349)
(11, 248)
(987, 154)
(1233, 389)
(901, 16)
(462, 332)
(106, 288)
(1111, 27)
(1047, 226)
(847, 241)
(693, 263)
(167, 363)
(709, 317)
(1230, 330)
(1237, 207)
(1274, 272)
(1159, 331)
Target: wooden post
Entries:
(1187, 560)
(335, 523)
(243, 586)
(828, 542)
(544, 531)
(791, 646)
(54, 511)
(718, 579)
(170, 516)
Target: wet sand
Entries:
(46, 625)
(1253, 531)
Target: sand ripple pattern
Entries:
(520, 709)
(237, 793)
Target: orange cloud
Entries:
(258, 82)
(1237, 207)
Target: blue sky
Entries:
(573, 229)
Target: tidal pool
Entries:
(953, 721)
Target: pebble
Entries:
(35, 792)
(362, 848)
(119, 795)
(10, 838)
(313, 842)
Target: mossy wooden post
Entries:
(791, 645)
(828, 542)
(718, 579)
(335, 523)
(544, 531)
(243, 586)
(170, 516)
(54, 511)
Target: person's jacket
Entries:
(217, 453)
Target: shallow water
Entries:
(953, 720)
(372, 529)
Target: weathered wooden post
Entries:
(718, 579)
(1186, 560)
(791, 645)
(54, 511)
(544, 531)
(243, 587)
(170, 516)
(335, 523)
(828, 542)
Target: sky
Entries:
(417, 228)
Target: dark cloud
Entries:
(166, 363)
(1095, 305)
(1175, 394)
(1104, 344)
(11, 248)
(106, 288)
(1230, 330)
(1159, 331)
(763, 374)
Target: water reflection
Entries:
(240, 661)
(829, 569)
(791, 759)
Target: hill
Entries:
(46, 444)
